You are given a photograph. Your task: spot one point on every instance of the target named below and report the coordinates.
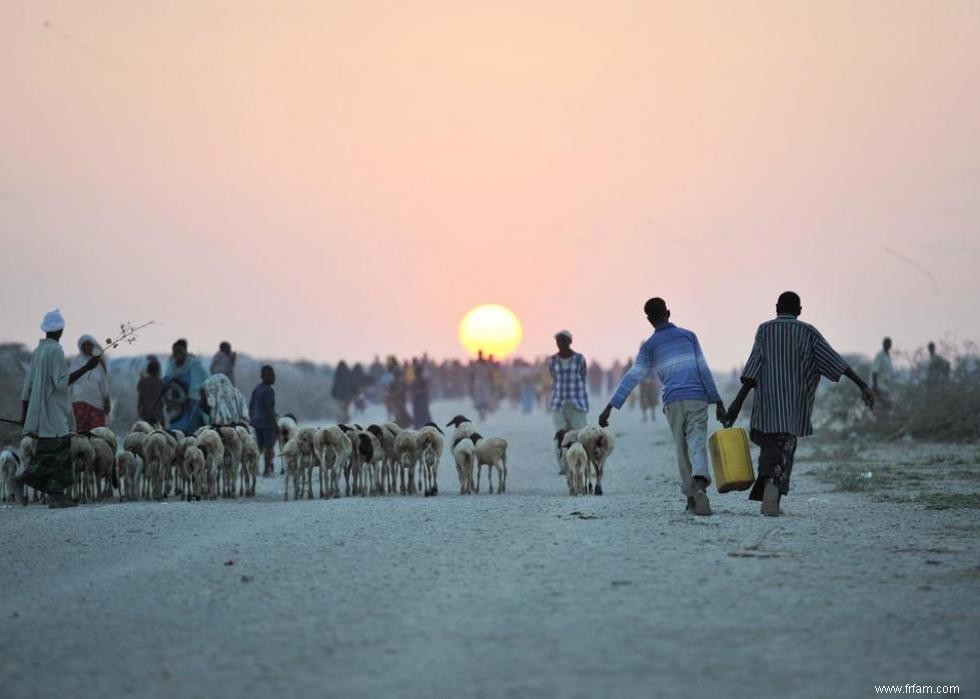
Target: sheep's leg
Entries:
(479, 475)
(490, 477)
(502, 478)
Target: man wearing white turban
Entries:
(46, 414)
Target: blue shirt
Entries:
(676, 357)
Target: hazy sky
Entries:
(335, 179)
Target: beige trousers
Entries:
(688, 420)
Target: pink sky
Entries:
(332, 180)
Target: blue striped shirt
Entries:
(676, 357)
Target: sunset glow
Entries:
(491, 328)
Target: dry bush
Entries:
(937, 408)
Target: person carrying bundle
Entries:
(784, 367)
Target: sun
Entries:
(491, 328)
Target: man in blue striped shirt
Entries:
(787, 361)
(675, 355)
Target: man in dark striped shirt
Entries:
(787, 361)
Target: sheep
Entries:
(306, 441)
(287, 428)
(334, 452)
(432, 443)
(491, 452)
(250, 462)
(129, 468)
(195, 469)
(561, 437)
(389, 468)
(159, 449)
(464, 452)
(103, 463)
(82, 454)
(290, 458)
(184, 481)
(464, 427)
(10, 468)
(576, 463)
(213, 449)
(407, 454)
(599, 443)
(28, 455)
(108, 435)
(142, 427)
(134, 442)
(231, 442)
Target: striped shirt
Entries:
(786, 363)
(569, 385)
(675, 355)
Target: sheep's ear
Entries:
(476, 437)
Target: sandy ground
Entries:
(493, 596)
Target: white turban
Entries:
(53, 321)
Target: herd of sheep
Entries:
(381, 459)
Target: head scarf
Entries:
(53, 321)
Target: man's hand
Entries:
(604, 416)
(868, 396)
(721, 414)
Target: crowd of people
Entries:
(787, 360)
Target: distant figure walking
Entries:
(262, 415)
(569, 404)
(788, 359)
(421, 414)
(46, 415)
(149, 395)
(224, 360)
(883, 375)
(90, 402)
(649, 396)
(397, 395)
(675, 355)
(344, 389)
(481, 385)
(937, 370)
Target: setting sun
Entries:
(491, 328)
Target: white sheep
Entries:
(103, 462)
(250, 461)
(129, 468)
(286, 429)
(432, 443)
(231, 462)
(10, 467)
(334, 452)
(492, 453)
(407, 456)
(599, 443)
(464, 452)
(158, 449)
(195, 468)
(210, 444)
(576, 463)
(82, 454)
(290, 456)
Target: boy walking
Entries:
(675, 355)
(787, 361)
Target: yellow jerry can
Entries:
(730, 459)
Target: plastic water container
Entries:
(730, 459)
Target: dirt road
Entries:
(532, 593)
